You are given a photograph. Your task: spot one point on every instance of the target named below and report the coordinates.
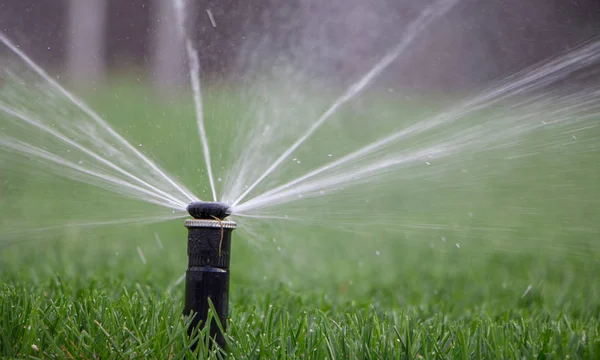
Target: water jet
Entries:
(207, 275)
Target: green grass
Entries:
(508, 271)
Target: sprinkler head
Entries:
(208, 210)
(207, 275)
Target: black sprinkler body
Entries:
(207, 276)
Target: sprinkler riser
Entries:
(207, 275)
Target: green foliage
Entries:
(478, 276)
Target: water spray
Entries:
(207, 276)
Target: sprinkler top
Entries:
(208, 210)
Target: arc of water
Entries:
(26, 148)
(469, 137)
(127, 221)
(5, 108)
(120, 221)
(556, 69)
(195, 80)
(194, 69)
(286, 195)
(413, 29)
(88, 111)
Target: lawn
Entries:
(474, 257)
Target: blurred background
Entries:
(264, 66)
(89, 40)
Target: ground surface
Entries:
(497, 265)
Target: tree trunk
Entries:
(168, 66)
(86, 41)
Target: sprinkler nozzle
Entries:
(208, 210)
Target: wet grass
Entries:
(499, 262)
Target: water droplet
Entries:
(140, 145)
(529, 287)
(443, 238)
(574, 137)
(458, 245)
(427, 162)
(329, 155)
(279, 248)
(141, 254)
(377, 253)
(219, 179)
